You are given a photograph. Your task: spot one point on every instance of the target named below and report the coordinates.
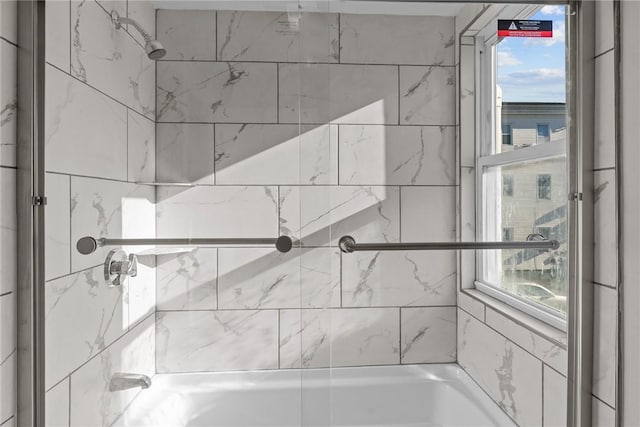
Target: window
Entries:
(507, 137)
(507, 234)
(522, 96)
(507, 185)
(543, 134)
(544, 187)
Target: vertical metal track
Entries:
(580, 63)
(30, 207)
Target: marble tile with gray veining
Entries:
(427, 95)
(467, 106)
(188, 281)
(604, 144)
(141, 148)
(605, 307)
(58, 34)
(555, 399)
(192, 341)
(471, 305)
(603, 414)
(338, 93)
(82, 317)
(339, 337)
(185, 153)
(421, 221)
(187, 34)
(371, 279)
(605, 234)
(8, 103)
(140, 290)
(428, 335)
(264, 278)
(277, 36)
(510, 375)
(8, 231)
(57, 405)
(9, 21)
(57, 226)
(110, 59)
(101, 208)
(305, 338)
(207, 92)
(365, 336)
(8, 354)
(92, 403)
(8, 383)
(276, 154)
(221, 212)
(393, 39)
(397, 155)
(144, 12)
(549, 352)
(320, 215)
(75, 112)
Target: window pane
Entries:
(538, 205)
(530, 90)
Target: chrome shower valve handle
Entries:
(118, 266)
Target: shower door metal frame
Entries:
(581, 109)
(31, 202)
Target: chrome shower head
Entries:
(154, 48)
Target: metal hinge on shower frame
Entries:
(38, 200)
(575, 196)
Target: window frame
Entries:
(486, 82)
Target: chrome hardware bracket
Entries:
(118, 265)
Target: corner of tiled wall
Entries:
(100, 143)
(8, 220)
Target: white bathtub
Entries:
(416, 395)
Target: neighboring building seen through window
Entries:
(543, 134)
(507, 136)
(507, 185)
(544, 187)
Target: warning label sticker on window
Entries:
(524, 28)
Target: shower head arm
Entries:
(119, 21)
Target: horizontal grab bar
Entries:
(88, 245)
(348, 245)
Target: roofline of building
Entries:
(530, 108)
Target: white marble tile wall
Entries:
(8, 102)
(111, 60)
(8, 220)
(100, 142)
(509, 374)
(303, 127)
(277, 37)
(209, 92)
(8, 356)
(189, 341)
